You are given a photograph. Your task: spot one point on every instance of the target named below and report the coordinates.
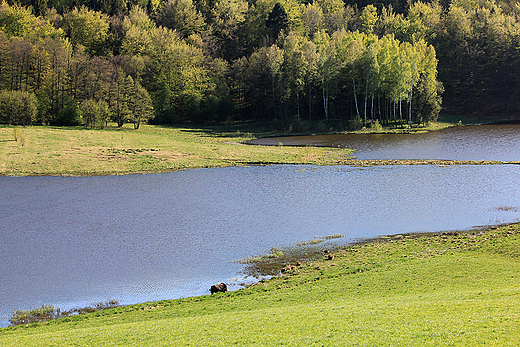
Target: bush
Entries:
(46, 312)
(94, 113)
(68, 115)
(18, 107)
(50, 312)
(376, 126)
(300, 126)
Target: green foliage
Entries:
(67, 113)
(180, 15)
(368, 19)
(18, 107)
(87, 28)
(227, 18)
(15, 20)
(376, 126)
(18, 21)
(277, 22)
(206, 61)
(356, 123)
(313, 20)
(140, 105)
(94, 114)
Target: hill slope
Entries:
(457, 289)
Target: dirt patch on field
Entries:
(114, 154)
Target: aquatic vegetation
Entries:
(282, 259)
(310, 242)
(51, 312)
(335, 236)
(506, 208)
(46, 312)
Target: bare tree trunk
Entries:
(400, 110)
(310, 101)
(325, 90)
(298, 101)
(411, 92)
(354, 83)
(372, 109)
(366, 98)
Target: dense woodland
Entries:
(292, 63)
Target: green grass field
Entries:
(446, 290)
(151, 149)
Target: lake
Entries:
(75, 241)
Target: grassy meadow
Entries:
(151, 149)
(452, 289)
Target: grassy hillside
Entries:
(459, 289)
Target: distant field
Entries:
(77, 151)
(457, 289)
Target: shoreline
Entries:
(345, 162)
(286, 269)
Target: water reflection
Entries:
(75, 241)
(483, 142)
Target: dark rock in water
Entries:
(221, 287)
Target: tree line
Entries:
(293, 63)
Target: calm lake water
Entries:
(480, 142)
(75, 241)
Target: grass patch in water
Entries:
(335, 236)
(310, 242)
(284, 259)
(506, 208)
(320, 239)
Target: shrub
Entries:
(94, 113)
(46, 312)
(49, 312)
(18, 107)
(376, 126)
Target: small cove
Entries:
(499, 142)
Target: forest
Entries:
(292, 64)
